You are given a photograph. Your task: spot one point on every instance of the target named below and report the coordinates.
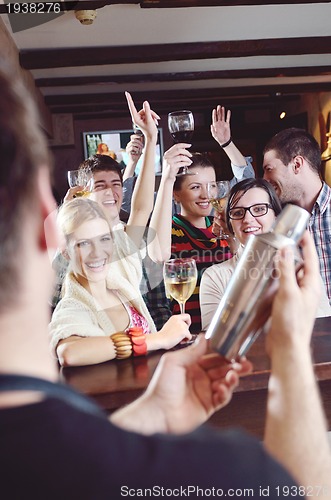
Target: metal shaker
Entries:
(246, 304)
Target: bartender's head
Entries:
(26, 197)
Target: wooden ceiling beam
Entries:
(182, 95)
(89, 56)
(79, 4)
(105, 110)
(78, 81)
(217, 3)
(157, 4)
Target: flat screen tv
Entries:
(116, 141)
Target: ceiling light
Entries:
(282, 115)
(86, 17)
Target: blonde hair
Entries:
(74, 213)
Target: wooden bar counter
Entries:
(116, 383)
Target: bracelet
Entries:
(123, 345)
(226, 143)
(138, 340)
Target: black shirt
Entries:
(53, 450)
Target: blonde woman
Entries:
(98, 301)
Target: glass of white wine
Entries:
(81, 177)
(218, 192)
(180, 279)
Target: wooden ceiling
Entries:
(263, 51)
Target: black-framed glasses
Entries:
(256, 210)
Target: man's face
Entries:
(108, 192)
(281, 177)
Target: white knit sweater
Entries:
(78, 313)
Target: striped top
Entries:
(200, 244)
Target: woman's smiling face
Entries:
(243, 228)
(193, 195)
(90, 250)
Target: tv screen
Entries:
(114, 142)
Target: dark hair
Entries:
(292, 142)
(23, 151)
(238, 190)
(102, 163)
(198, 160)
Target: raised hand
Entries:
(134, 148)
(220, 127)
(146, 119)
(175, 158)
(71, 193)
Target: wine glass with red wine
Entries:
(181, 128)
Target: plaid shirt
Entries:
(154, 294)
(320, 228)
(60, 266)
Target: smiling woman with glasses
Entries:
(251, 209)
(101, 316)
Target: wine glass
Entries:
(218, 192)
(81, 177)
(180, 279)
(137, 131)
(181, 128)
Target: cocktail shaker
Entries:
(246, 304)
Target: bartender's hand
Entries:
(295, 304)
(188, 386)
